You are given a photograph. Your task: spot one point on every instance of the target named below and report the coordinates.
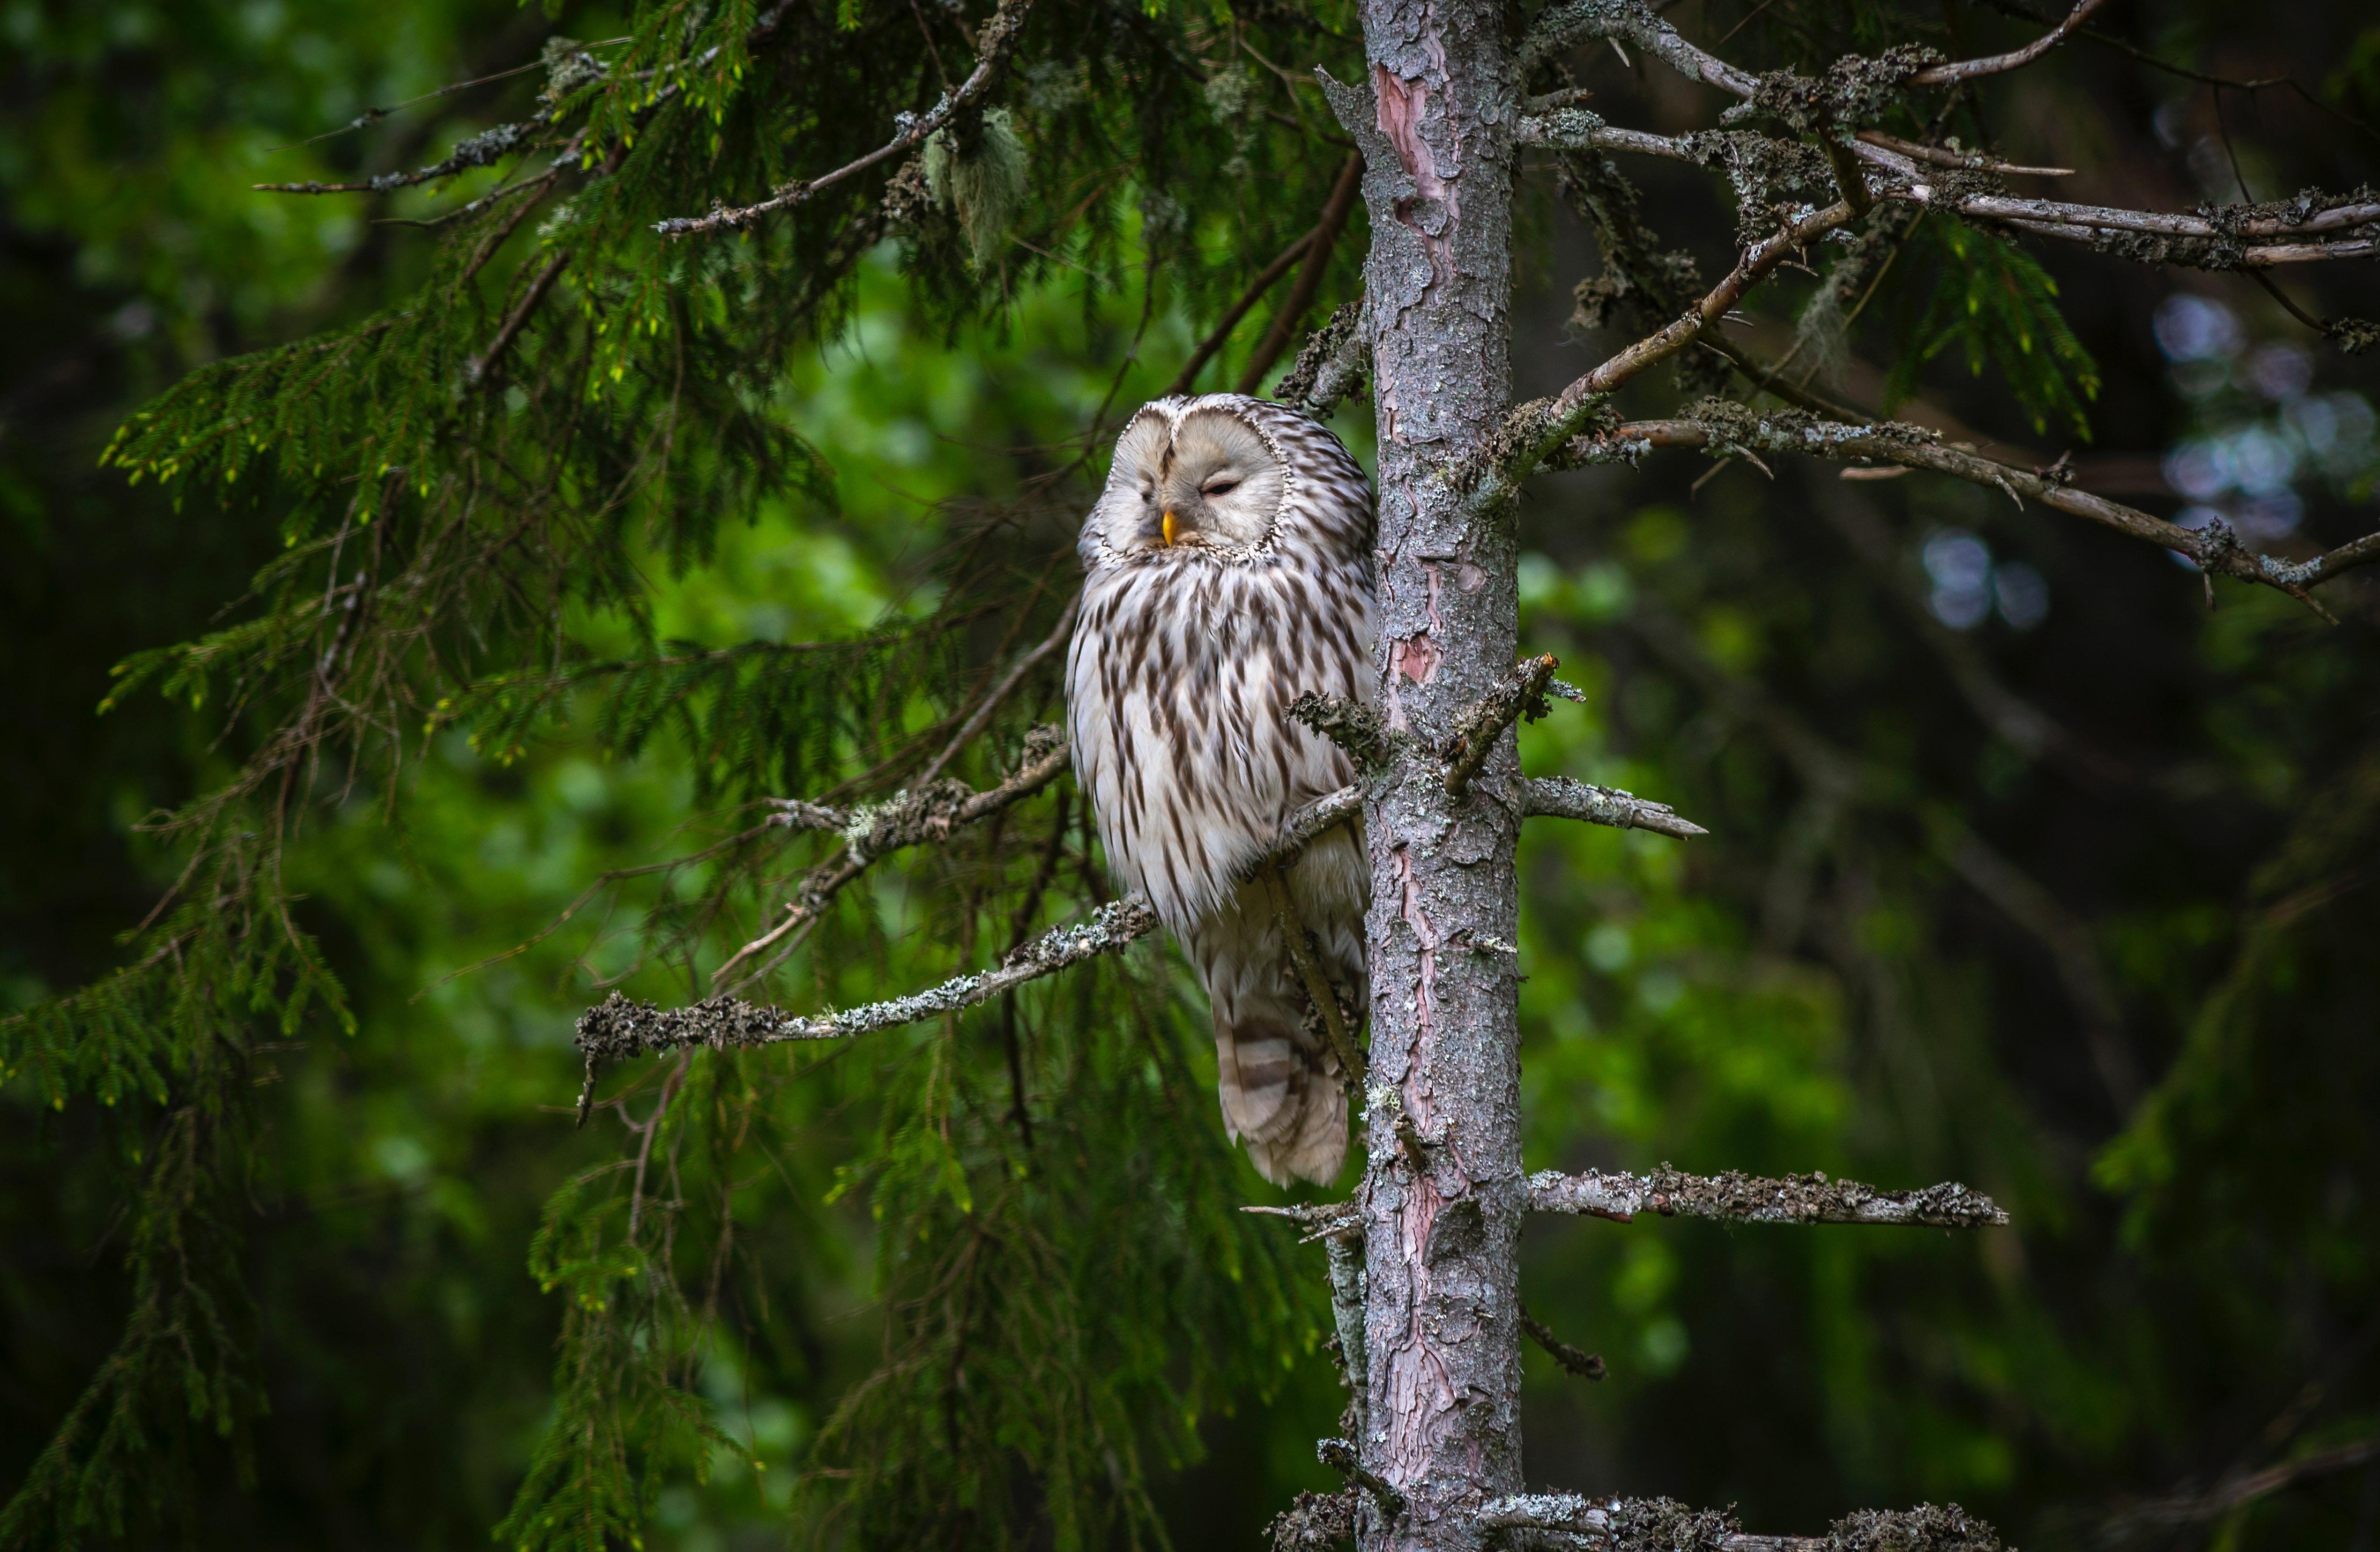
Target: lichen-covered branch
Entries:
(618, 1028)
(916, 816)
(1738, 1198)
(1330, 366)
(995, 42)
(1537, 430)
(2313, 226)
(1716, 424)
(1519, 694)
(1664, 1525)
(1562, 797)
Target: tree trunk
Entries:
(1443, 1195)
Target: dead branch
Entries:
(1534, 431)
(1738, 1198)
(2239, 1491)
(1561, 798)
(1577, 1361)
(1521, 693)
(1968, 70)
(2215, 548)
(1319, 243)
(618, 1029)
(1663, 1526)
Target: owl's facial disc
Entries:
(1217, 485)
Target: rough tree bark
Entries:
(1442, 1218)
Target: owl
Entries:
(1229, 568)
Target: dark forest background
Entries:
(2026, 869)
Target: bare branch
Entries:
(1266, 279)
(994, 42)
(1968, 70)
(978, 718)
(1738, 1198)
(1578, 1361)
(1319, 243)
(1661, 1525)
(618, 1029)
(2236, 1492)
(1340, 1456)
(2215, 548)
(514, 321)
(1305, 823)
(1535, 430)
(1561, 798)
(1520, 694)
(1941, 157)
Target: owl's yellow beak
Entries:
(1167, 526)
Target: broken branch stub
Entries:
(1561, 798)
(1519, 695)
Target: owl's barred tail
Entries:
(1283, 1097)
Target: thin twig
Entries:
(1319, 990)
(1578, 1361)
(514, 321)
(1320, 243)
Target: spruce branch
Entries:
(1739, 1198)
(1340, 1456)
(995, 42)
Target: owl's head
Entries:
(1192, 478)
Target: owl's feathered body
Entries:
(1229, 568)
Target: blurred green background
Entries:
(2025, 869)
